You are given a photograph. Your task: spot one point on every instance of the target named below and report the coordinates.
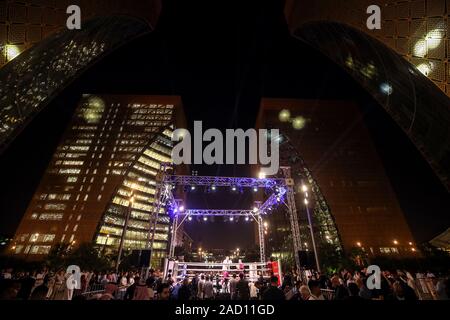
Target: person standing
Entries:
(316, 293)
(242, 288)
(201, 288)
(273, 293)
(184, 293)
(233, 284)
(208, 289)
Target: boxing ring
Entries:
(253, 271)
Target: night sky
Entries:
(222, 64)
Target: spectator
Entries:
(316, 292)
(184, 293)
(164, 292)
(273, 293)
(233, 283)
(242, 288)
(353, 292)
(208, 289)
(340, 292)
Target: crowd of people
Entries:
(345, 285)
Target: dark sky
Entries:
(221, 64)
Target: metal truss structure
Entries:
(282, 192)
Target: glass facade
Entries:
(104, 169)
(33, 79)
(412, 100)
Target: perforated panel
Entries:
(414, 28)
(25, 23)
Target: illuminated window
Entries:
(69, 171)
(72, 179)
(40, 250)
(55, 206)
(51, 217)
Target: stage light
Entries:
(255, 210)
(231, 219)
(175, 210)
(234, 188)
(255, 189)
(193, 188)
(304, 188)
(182, 209)
(190, 218)
(213, 188)
(205, 218)
(262, 175)
(247, 219)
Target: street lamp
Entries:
(313, 240)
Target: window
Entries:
(40, 250)
(72, 179)
(69, 171)
(51, 217)
(55, 206)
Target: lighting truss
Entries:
(224, 182)
(281, 189)
(218, 213)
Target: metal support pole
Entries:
(159, 197)
(122, 238)
(293, 217)
(174, 236)
(262, 245)
(316, 255)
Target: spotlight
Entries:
(247, 219)
(234, 188)
(182, 209)
(231, 219)
(190, 218)
(255, 189)
(193, 188)
(205, 218)
(213, 188)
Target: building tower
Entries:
(104, 170)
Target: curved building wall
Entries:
(416, 29)
(30, 81)
(25, 23)
(412, 100)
